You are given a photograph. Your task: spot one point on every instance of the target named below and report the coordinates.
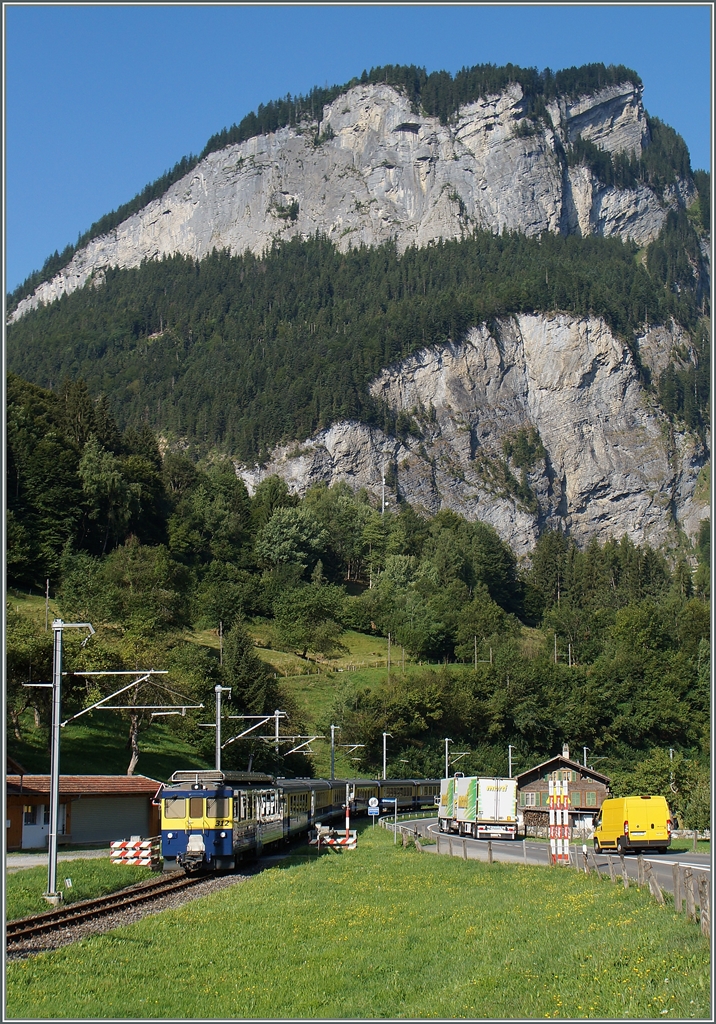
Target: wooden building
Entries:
(587, 790)
(93, 809)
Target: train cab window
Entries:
(175, 807)
(196, 807)
(217, 807)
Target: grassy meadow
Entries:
(90, 878)
(97, 744)
(315, 683)
(384, 932)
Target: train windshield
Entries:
(217, 807)
(175, 807)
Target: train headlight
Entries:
(223, 835)
(170, 835)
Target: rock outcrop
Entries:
(373, 170)
(601, 460)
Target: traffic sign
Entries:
(374, 810)
(373, 802)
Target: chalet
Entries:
(587, 790)
(93, 809)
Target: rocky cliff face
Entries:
(597, 457)
(372, 170)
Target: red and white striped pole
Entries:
(565, 822)
(559, 821)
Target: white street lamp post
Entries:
(447, 761)
(333, 749)
(218, 690)
(510, 748)
(52, 895)
(385, 734)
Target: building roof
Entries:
(564, 762)
(84, 785)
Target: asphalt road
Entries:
(20, 861)
(526, 851)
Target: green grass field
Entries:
(33, 606)
(384, 932)
(90, 878)
(98, 745)
(315, 684)
(702, 845)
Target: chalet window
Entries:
(575, 798)
(591, 798)
(529, 799)
(29, 814)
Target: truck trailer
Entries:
(484, 808)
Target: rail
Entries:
(39, 924)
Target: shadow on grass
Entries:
(99, 747)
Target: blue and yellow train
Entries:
(212, 819)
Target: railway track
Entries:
(28, 928)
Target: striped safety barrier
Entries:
(145, 852)
(347, 840)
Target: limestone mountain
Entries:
(369, 290)
(539, 422)
(371, 169)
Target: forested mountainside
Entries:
(244, 355)
(146, 546)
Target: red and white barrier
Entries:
(145, 852)
(333, 839)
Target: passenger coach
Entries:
(210, 820)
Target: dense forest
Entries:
(438, 94)
(240, 353)
(606, 647)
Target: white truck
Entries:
(479, 807)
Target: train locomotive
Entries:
(210, 820)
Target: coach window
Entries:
(217, 807)
(196, 807)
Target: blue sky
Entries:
(100, 100)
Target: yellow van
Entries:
(633, 823)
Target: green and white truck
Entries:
(485, 808)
